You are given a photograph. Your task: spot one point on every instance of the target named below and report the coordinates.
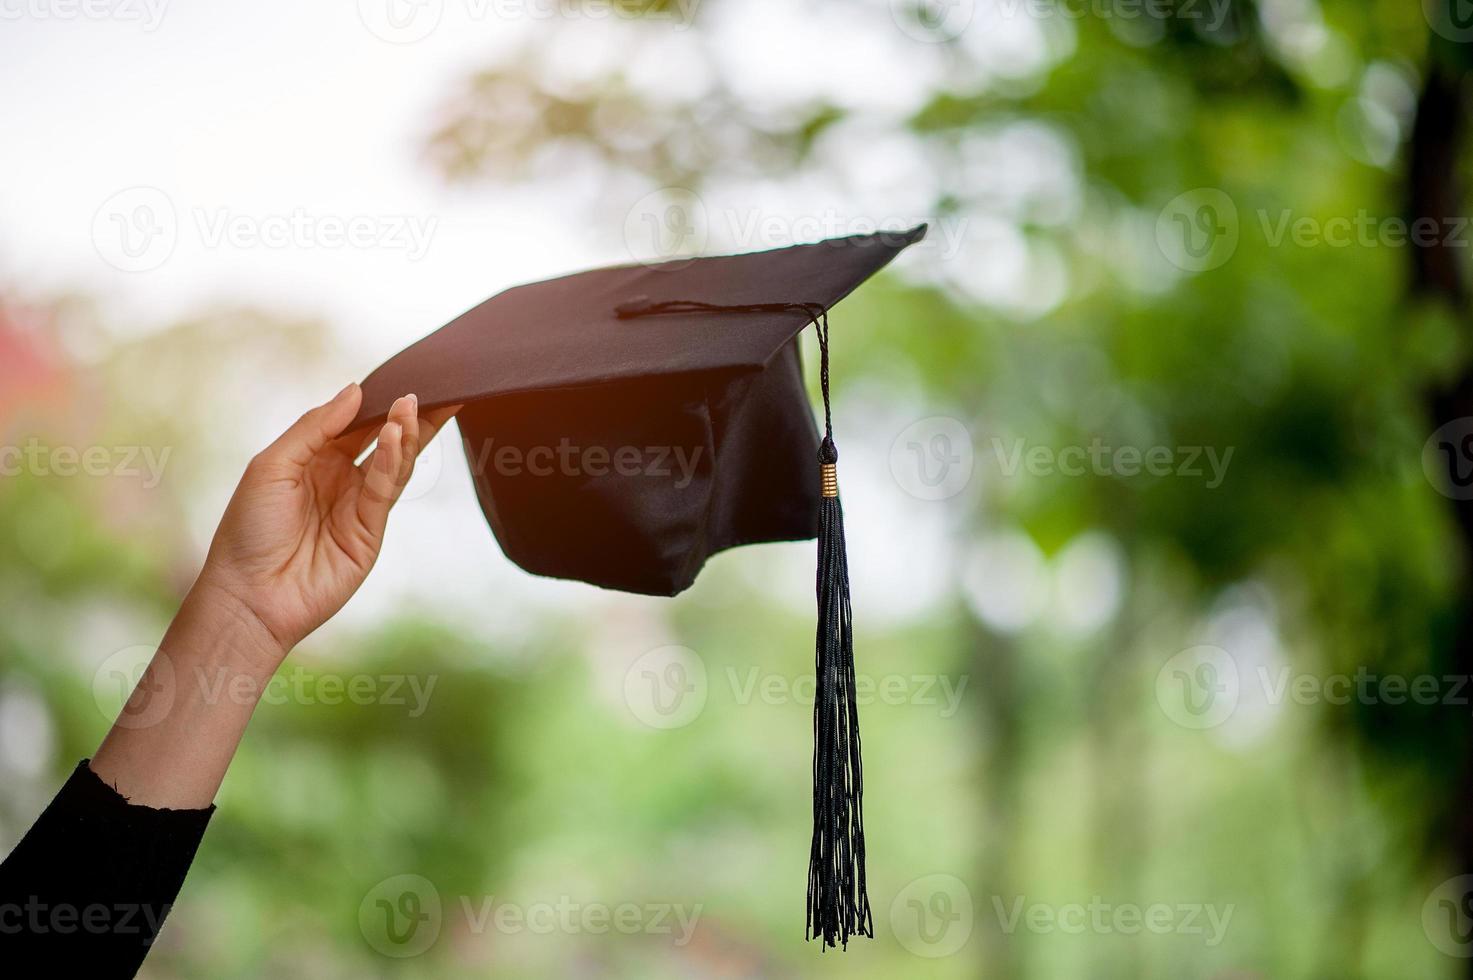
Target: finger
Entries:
(381, 484)
(409, 420)
(353, 444)
(314, 430)
(403, 411)
(388, 469)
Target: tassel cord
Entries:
(837, 906)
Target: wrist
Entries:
(174, 739)
(215, 624)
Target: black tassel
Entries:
(838, 902)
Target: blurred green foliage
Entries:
(1060, 780)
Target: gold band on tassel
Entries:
(830, 474)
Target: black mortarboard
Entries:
(624, 424)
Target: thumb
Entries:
(314, 430)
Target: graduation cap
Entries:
(624, 424)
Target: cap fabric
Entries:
(625, 450)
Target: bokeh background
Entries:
(1156, 463)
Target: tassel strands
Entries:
(838, 902)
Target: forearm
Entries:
(300, 534)
(173, 741)
(89, 886)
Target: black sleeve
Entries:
(89, 885)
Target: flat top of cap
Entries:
(567, 332)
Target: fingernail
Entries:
(346, 388)
(413, 401)
(391, 433)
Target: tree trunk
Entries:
(1434, 191)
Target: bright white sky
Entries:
(255, 109)
(276, 107)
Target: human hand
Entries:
(306, 523)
